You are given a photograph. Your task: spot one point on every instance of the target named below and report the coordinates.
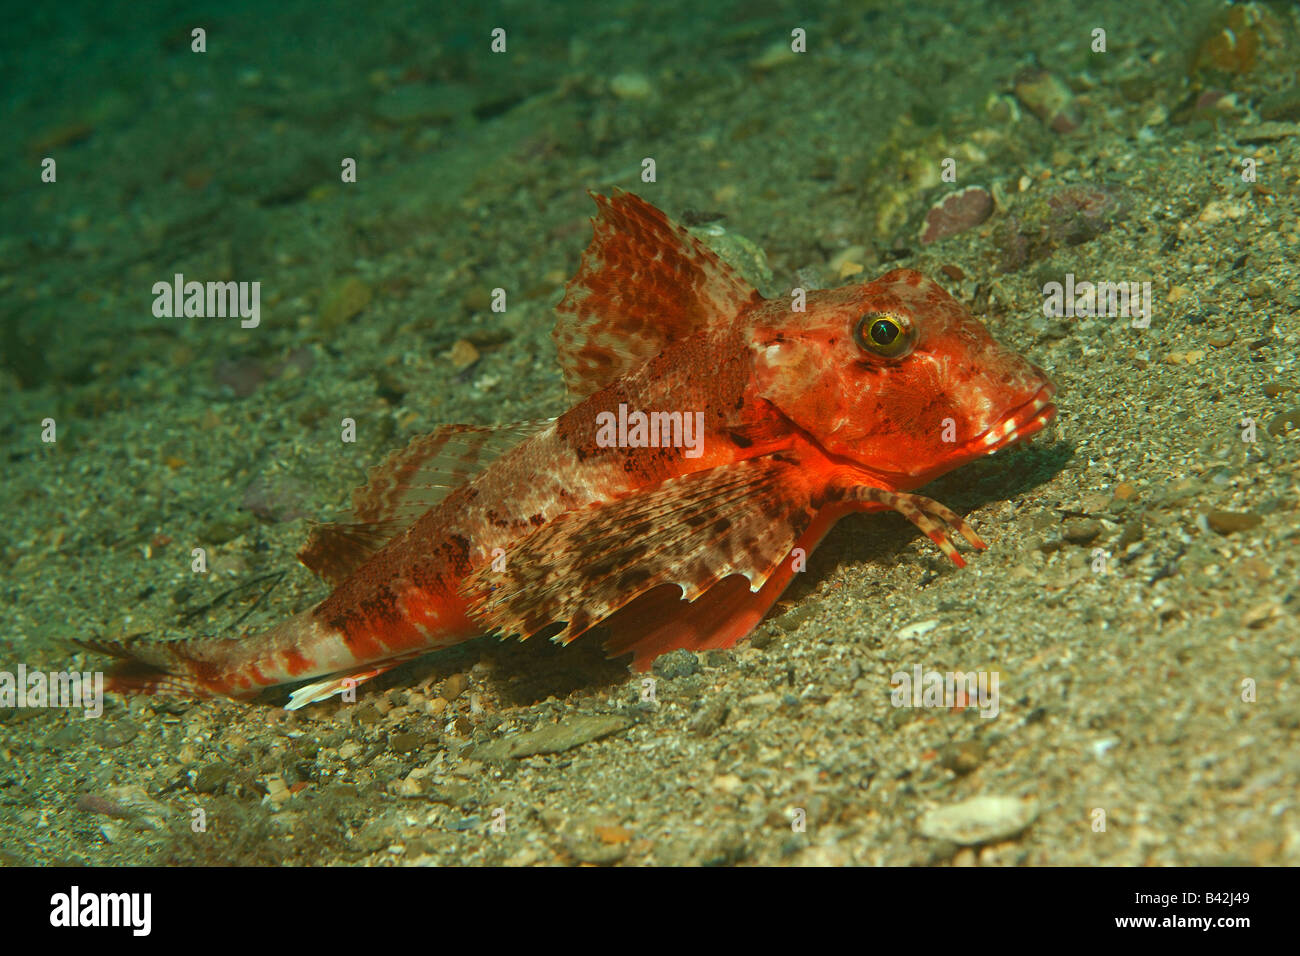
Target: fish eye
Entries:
(884, 334)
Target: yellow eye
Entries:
(883, 334)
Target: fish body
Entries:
(715, 438)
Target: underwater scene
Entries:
(650, 433)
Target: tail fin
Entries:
(142, 667)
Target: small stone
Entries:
(405, 742)
(349, 749)
(212, 778)
(1046, 96)
(962, 758)
(777, 53)
(848, 262)
(551, 739)
(453, 687)
(612, 834)
(344, 300)
(1082, 531)
(956, 213)
(94, 803)
(911, 632)
(1226, 522)
(678, 663)
(631, 86)
(979, 820)
(1219, 210)
(1261, 614)
(1284, 423)
(462, 354)
(709, 718)
(115, 735)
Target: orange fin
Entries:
(644, 282)
(403, 487)
(661, 621)
(691, 531)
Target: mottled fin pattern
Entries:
(644, 282)
(403, 487)
(691, 531)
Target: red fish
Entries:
(715, 438)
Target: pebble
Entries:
(115, 735)
(709, 718)
(1226, 522)
(962, 758)
(849, 261)
(917, 629)
(978, 820)
(678, 663)
(956, 213)
(631, 86)
(405, 742)
(1284, 423)
(1082, 531)
(551, 739)
(343, 300)
(462, 354)
(212, 777)
(1219, 210)
(1046, 96)
(453, 687)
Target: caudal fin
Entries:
(142, 668)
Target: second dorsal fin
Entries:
(644, 282)
(403, 487)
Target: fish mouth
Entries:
(1020, 423)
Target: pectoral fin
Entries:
(692, 532)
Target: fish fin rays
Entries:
(336, 684)
(690, 532)
(644, 282)
(403, 487)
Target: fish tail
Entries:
(299, 648)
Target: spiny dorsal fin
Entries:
(644, 282)
(691, 531)
(403, 487)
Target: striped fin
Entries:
(692, 531)
(402, 488)
(644, 282)
(336, 684)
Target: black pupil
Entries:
(883, 332)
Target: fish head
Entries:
(898, 377)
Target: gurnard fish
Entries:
(666, 538)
